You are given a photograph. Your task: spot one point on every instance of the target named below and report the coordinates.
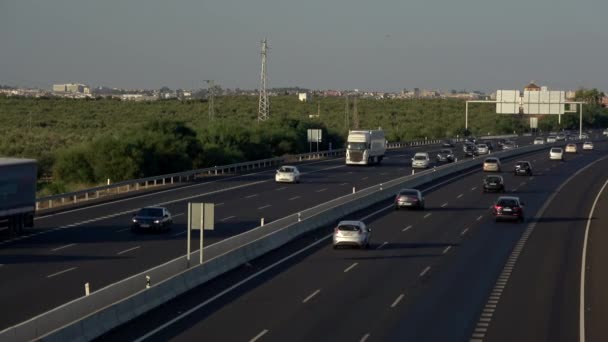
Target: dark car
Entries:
(523, 168)
(471, 140)
(409, 198)
(500, 142)
(509, 145)
(489, 143)
(445, 155)
(152, 218)
(493, 184)
(469, 150)
(508, 208)
(448, 143)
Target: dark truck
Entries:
(17, 194)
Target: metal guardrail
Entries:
(54, 201)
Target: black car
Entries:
(500, 142)
(523, 168)
(471, 140)
(445, 155)
(469, 150)
(508, 208)
(494, 184)
(152, 218)
(489, 144)
(448, 143)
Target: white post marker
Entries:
(147, 281)
(299, 217)
(413, 171)
(353, 189)
(261, 222)
(86, 289)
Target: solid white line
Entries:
(62, 247)
(464, 231)
(294, 198)
(128, 250)
(581, 323)
(459, 196)
(258, 336)
(218, 204)
(444, 205)
(251, 196)
(265, 206)
(61, 272)
(351, 267)
(382, 245)
(425, 271)
(123, 230)
(227, 218)
(407, 228)
(180, 233)
(446, 249)
(321, 190)
(427, 215)
(283, 188)
(473, 189)
(479, 218)
(176, 215)
(311, 296)
(344, 184)
(366, 336)
(397, 300)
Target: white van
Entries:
(421, 160)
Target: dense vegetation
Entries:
(84, 142)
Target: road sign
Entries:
(533, 122)
(201, 214)
(507, 101)
(314, 135)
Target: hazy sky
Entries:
(365, 44)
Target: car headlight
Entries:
(134, 220)
(156, 221)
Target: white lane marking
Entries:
(311, 296)
(427, 215)
(425, 271)
(522, 183)
(251, 196)
(382, 245)
(464, 231)
(61, 272)
(446, 249)
(282, 188)
(128, 250)
(407, 228)
(265, 206)
(180, 233)
(321, 190)
(63, 247)
(227, 218)
(343, 184)
(366, 336)
(444, 205)
(294, 198)
(218, 204)
(123, 230)
(351, 267)
(479, 218)
(459, 196)
(584, 265)
(397, 300)
(258, 336)
(364, 178)
(179, 214)
(474, 188)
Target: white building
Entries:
(304, 97)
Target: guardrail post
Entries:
(413, 171)
(155, 182)
(97, 194)
(50, 203)
(148, 279)
(75, 198)
(299, 217)
(216, 170)
(171, 180)
(37, 205)
(163, 181)
(86, 289)
(86, 196)
(261, 222)
(354, 190)
(62, 200)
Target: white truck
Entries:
(365, 147)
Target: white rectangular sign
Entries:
(314, 135)
(202, 214)
(544, 102)
(507, 101)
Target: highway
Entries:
(427, 277)
(95, 245)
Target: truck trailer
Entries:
(17, 193)
(365, 147)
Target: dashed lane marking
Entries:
(63, 247)
(397, 300)
(427, 215)
(459, 196)
(382, 245)
(464, 231)
(446, 249)
(128, 250)
(311, 296)
(321, 190)
(61, 272)
(227, 218)
(351, 267)
(258, 336)
(251, 196)
(444, 205)
(265, 206)
(425, 271)
(294, 198)
(366, 336)
(407, 228)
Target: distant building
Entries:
(304, 97)
(532, 87)
(74, 88)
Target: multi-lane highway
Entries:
(95, 245)
(429, 275)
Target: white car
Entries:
(421, 160)
(351, 233)
(551, 139)
(588, 146)
(287, 174)
(539, 141)
(605, 132)
(556, 153)
(571, 148)
(482, 149)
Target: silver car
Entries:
(352, 233)
(482, 149)
(288, 174)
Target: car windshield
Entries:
(522, 164)
(151, 212)
(445, 151)
(482, 146)
(491, 161)
(507, 202)
(286, 169)
(357, 145)
(556, 150)
(493, 179)
(408, 193)
(419, 157)
(348, 227)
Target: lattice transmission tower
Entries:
(264, 105)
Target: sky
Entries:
(385, 45)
